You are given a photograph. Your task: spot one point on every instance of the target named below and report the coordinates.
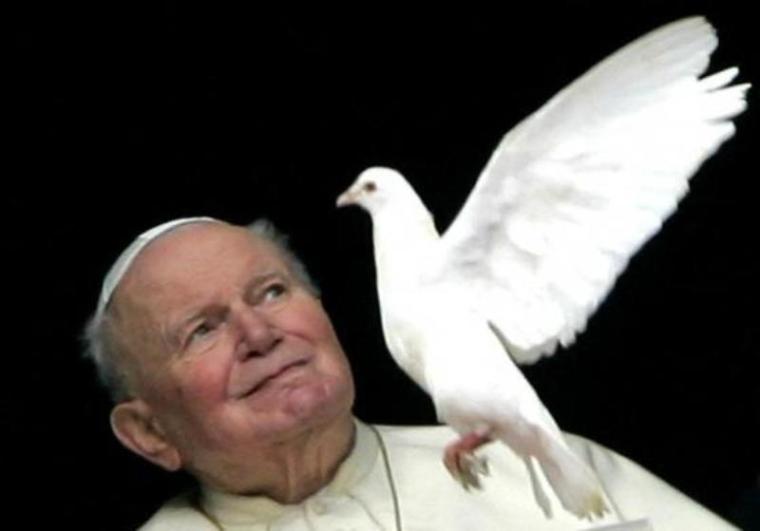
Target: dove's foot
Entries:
(463, 464)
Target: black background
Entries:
(122, 118)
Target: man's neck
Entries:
(291, 472)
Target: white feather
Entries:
(574, 190)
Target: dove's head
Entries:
(376, 188)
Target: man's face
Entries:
(230, 352)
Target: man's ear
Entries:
(136, 427)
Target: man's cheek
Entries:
(204, 382)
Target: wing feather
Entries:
(573, 191)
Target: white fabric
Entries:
(359, 496)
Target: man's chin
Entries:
(314, 402)
(301, 406)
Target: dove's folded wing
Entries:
(574, 190)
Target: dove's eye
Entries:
(369, 186)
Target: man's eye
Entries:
(200, 331)
(274, 291)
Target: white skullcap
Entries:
(120, 267)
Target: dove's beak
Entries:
(346, 198)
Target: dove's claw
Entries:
(467, 469)
(463, 464)
(481, 463)
(472, 467)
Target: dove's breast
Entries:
(443, 343)
(400, 317)
(440, 340)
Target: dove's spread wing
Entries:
(575, 189)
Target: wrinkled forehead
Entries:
(189, 268)
(194, 253)
(170, 249)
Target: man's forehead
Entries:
(189, 268)
(203, 247)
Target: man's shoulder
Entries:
(436, 437)
(424, 446)
(417, 436)
(179, 512)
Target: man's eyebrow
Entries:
(175, 330)
(264, 277)
(255, 281)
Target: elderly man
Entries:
(223, 362)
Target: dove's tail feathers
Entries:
(573, 481)
(538, 491)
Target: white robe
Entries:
(359, 497)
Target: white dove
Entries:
(569, 195)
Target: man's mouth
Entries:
(268, 379)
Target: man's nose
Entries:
(258, 336)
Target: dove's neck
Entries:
(404, 243)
